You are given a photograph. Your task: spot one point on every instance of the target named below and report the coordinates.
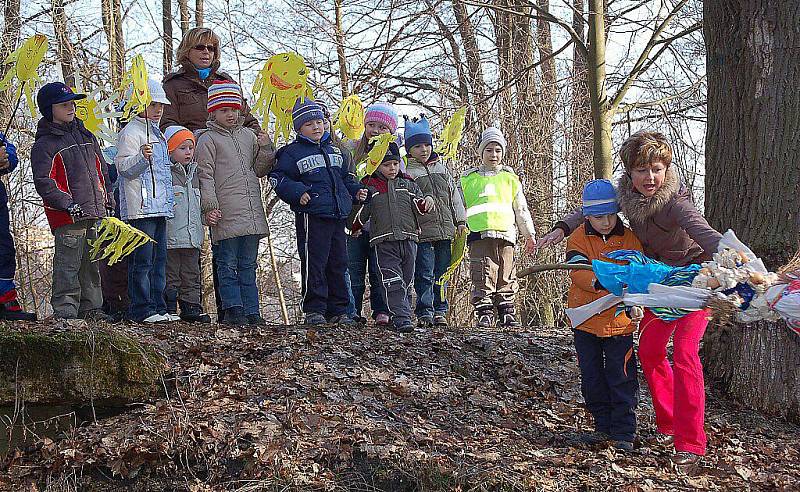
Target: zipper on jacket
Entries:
(333, 180)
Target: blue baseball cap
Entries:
(54, 93)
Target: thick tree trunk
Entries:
(66, 52)
(112, 24)
(753, 180)
(183, 6)
(198, 13)
(581, 134)
(166, 20)
(343, 75)
(11, 25)
(596, 76)
(472, 54)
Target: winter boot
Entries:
(507, 316)
(193, 313)
(485, 316)
(234, 316)
(11, 310)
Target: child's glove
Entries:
(361, 195)
(430, 205)
(75, 211)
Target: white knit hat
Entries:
(490, 135)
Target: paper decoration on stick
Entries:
(26, 60)
(349, 118)
(451, 135)
(121, 239)
(134, 86)
(282, 81)
(458, 249)
(380, 144)
(94, 113)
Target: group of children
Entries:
(398, 222)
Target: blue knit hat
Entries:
(599, 198)
(417, 131)
(304, 111)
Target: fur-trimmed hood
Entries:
(639, 208)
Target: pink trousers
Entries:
(678, 390)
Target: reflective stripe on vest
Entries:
(490, 200)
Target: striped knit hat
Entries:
(176, 135)
(304, 111)
(224, 94)
(382, 113)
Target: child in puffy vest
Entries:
(184, 230)
(394, 207)
(71, 176)
(604, 340)
(438, 228)
(230, 159)
(146, 202)
(314, 178)
(496, 210)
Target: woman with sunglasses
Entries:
(187, 88)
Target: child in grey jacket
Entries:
(394, 205)
(184, 230)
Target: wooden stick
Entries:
(551, 266)
(16, 107)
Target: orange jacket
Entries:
(583, 246)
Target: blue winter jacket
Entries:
(319, 169)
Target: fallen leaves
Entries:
(442, 410)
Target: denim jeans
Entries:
(358, 254)
(351, 301)
(236, 271)
(433, 258)
(147, 266)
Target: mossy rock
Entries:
(73, 366)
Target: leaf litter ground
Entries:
(290, 408)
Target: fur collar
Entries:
(638, 208)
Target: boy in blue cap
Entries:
(71, 176)
(437, 229)
(9, 306)
(313, 177)
(604, 341)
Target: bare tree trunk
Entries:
(198, 13)
(472, 53)
(66, 53)
(753, 181)
(580, 130)
(11, 25)
(339, 35)
(166, 20)
(183, 6)
(596, 76)
(112, 24)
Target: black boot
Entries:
(485, 316)
(171, 298)
(507, 316)
(12, 311)
(193, 313)
(234, 317)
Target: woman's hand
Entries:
(550, 239)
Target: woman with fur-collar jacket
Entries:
(671, 230)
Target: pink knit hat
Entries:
(382, 113)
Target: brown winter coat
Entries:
(668, 224)
(189, 97)
(230, 163)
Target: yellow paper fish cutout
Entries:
(349, 118)
(451, 135)
(134, 82)
(122, 239)
(278, 85)
(94, 114)
(375, 156)
(26, 60)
